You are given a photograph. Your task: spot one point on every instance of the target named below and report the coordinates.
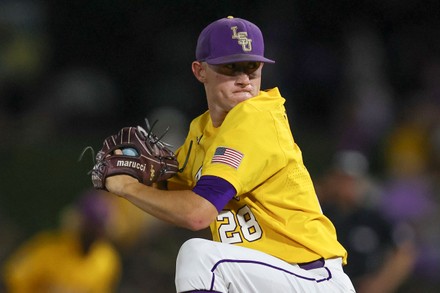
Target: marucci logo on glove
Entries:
(131, 164)
(152, 162)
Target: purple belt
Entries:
(319, 263)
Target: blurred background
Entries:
(359, 77)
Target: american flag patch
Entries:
(227, 156)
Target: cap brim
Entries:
(238, 58)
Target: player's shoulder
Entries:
(198, 123)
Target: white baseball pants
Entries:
(204, 265)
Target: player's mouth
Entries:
(243, 93)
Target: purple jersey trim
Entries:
(216, 190)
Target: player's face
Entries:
(229, 84)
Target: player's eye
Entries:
(233, 69)
(227, 69)
(231, 66)
(252, 65)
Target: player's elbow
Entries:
(200, 219)
(197, 225)
(197, 212)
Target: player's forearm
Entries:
(182, 208)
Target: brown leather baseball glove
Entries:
(144, 157)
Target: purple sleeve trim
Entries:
(216, 190)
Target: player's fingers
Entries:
(115, 152)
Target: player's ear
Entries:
(199, 71)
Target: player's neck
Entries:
(217, 116)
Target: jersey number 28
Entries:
(249, 229)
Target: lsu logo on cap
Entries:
(242, 39)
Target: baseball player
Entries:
(242, 175)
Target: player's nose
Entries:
(242, 79)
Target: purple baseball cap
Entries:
(230, 40)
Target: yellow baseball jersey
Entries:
(276, 209)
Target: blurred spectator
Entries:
(127, 225)
(410, 197)
(365, 111)
(77, 258)
(378, 261)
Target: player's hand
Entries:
(117, 184)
